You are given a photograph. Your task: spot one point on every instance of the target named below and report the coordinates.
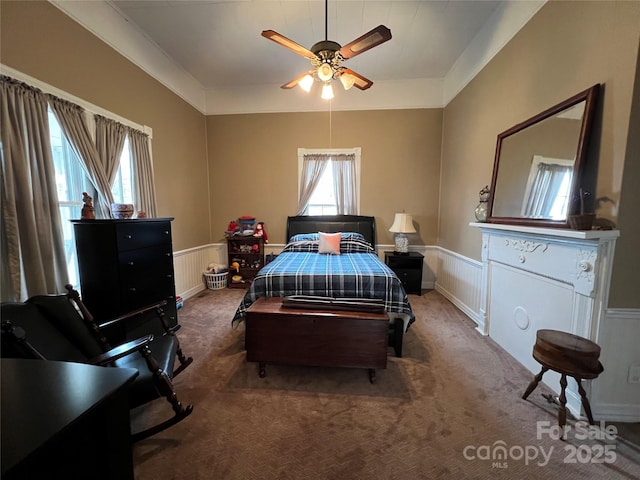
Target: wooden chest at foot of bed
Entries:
(324, 338)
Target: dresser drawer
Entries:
(140, 292)
(402, 262)
(409, 277)
(156, 261)
(132, 235)
(574, 262)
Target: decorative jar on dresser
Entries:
(125, 265)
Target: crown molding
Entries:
(107, 23)
(501, 27)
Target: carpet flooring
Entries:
(450, 408)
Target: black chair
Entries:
(59, 327)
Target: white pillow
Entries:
(329, 243)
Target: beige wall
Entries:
(251, 161)
(564, 49)
(254, 165)
(39, 40)
(626, 263)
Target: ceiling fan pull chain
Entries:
(330, 125)
(326, 20)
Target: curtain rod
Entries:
(90, 107)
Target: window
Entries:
(547, 190)
(323, 198)
(334, 181)
(71, 181)
(122, 188)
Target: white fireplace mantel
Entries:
(535, 278)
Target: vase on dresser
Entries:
(482, 210)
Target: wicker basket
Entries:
(581, 222)
(216, 281)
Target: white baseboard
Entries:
(192, 292)
(475, 316)
(188, 266)
(615, 412)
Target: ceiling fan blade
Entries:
(295, 82)
(290, 44)
(360, 82)
(371, 39)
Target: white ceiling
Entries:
(228, 67)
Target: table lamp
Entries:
(402, 224)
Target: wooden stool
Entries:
(566, 354)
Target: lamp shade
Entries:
(402, 223)
(306, 83)
(325, 72)
(327, 91)
(347, 80)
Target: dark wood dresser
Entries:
(408, 268)
(125, 265)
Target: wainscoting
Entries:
(190, 264)
(459, 279)
(613, 397)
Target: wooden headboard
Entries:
(333, 223)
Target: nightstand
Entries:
(408, 267)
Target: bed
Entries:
(357, 272)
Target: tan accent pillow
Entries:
(329, 243)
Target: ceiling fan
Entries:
(327, 56)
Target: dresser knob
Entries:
(166, 232)
(131, 264)
(584, 266)
(522, 259)
(132, 289)
(128, 237)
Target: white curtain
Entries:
(73, 124)
(313, 166)
(344, 178)
(32, 250)
(544, 190)
(144, 190)
(110, 137)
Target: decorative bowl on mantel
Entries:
(121, 210)
(583, 221)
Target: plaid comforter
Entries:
(349, 275)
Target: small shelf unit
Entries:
(248, 253)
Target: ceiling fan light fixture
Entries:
(327, 91)
(325, 72)
(306, 83)
(326, 57)
(347, 80)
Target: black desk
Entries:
(65, 420)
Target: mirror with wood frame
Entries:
(539, 168)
